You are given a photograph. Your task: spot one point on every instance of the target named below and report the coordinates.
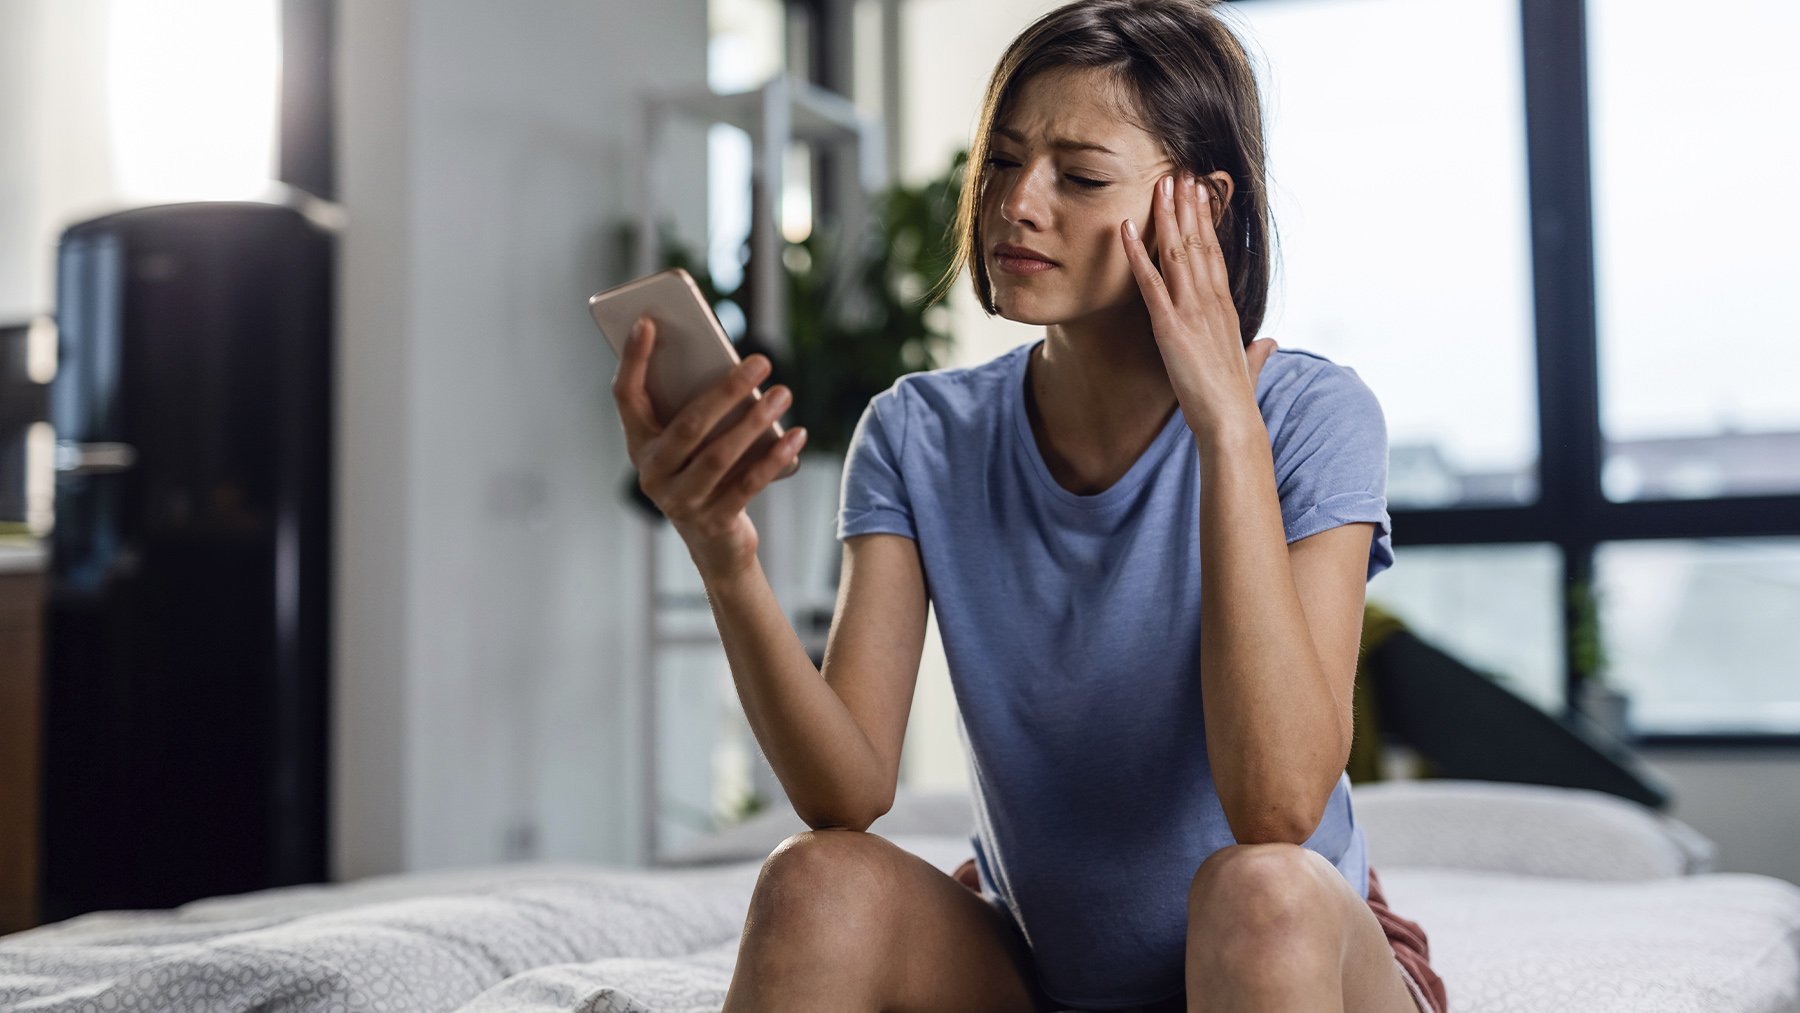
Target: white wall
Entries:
(1746, 800)
(58, 168)
(488, 567)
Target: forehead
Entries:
(1081, 105)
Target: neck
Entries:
(1100, 382)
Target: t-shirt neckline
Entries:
(1146, 463)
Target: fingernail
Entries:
(637, 329)
(780, 398)
(1168, 186)
(756, 367)
(1130, 228)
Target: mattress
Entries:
(593, 939)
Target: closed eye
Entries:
(1091, 184)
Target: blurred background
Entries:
(321, 556)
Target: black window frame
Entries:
(1571, 511)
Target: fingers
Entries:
(1170, 230)
(736, 494)
(1149, 279)
(723, 453)
(699, 417)
(1208, 259)
(1191, 261)
(1186, 237)
(628, 389)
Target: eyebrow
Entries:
(1060, 143)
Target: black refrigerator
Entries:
(187, 637)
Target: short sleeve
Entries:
(873, 495)
(1331, 462)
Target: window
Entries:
(1703, 634)
(1400, 214)
(1591, 247)
(1497, 608)
(1693, 214)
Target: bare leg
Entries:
(1276, 927)
(843, 920)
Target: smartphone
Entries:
(691, 353)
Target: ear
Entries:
(1219, 182)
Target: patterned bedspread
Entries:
(586, 939)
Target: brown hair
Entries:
(1195, 94)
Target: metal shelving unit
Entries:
(783, 111)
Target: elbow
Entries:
(1267, 832)
(1273, 827)
(859, 817)
(1290, 813)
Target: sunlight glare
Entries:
(193, 95)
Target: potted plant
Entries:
(1596, 698)
(842, 348)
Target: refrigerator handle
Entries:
(94, 458)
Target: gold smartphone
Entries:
(691, 353)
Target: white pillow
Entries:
(915, 814)
(1524, 828)
(1455, 824)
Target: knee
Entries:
(830, 880)
(1260, 892)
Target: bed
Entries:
(1535, 899)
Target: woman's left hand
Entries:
(1191, 311)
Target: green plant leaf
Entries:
(842, 351)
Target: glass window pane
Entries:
(744, 50)
(1694, 214)
(1397, 163)
(744, 45)
(1497, 608)
(1703, 634)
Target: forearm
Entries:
(821, 756)
(1271, 720)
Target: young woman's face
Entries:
(1066, 203)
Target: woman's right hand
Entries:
(703, 487)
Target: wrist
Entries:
(1228, 426)
(728, 579)
(721, 558)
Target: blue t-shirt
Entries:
(1071, 625)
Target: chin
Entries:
(1037, 309)
(1022, 305)
(1020, 311)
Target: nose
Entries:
(1020, 203)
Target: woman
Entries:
(1099, 517)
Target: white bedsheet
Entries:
(584, 939)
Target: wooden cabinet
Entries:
(21, 696)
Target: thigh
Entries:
(941, 945)
(1374, 979)
(1411, 948)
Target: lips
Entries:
(1019, 253)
